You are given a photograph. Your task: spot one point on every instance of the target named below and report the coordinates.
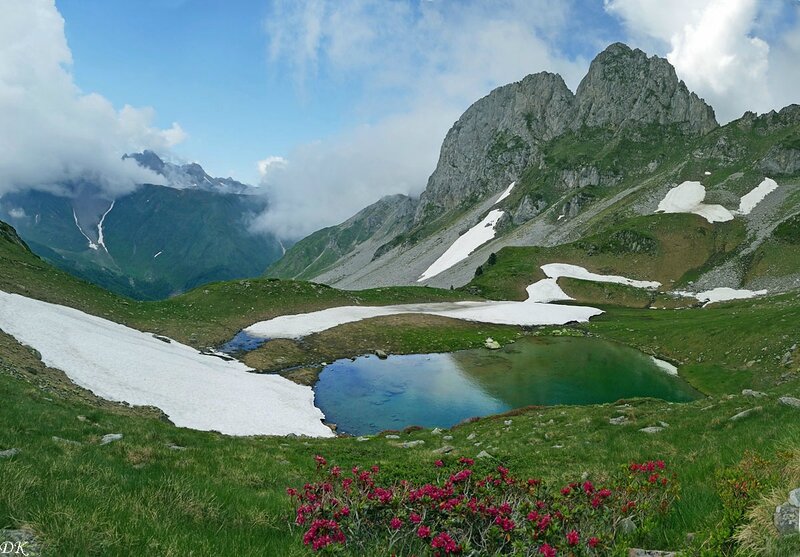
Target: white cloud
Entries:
(50, 131)
(426, 62)
(269, 164)
(715, 50)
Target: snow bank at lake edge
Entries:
(195, 390)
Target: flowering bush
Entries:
(464, 513)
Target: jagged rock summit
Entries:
(500, 134)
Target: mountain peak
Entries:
(624, 87)
(185, 176)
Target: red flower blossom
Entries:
(566, 490)
(588, 487)
(395, 523)
(415, 518)
(505, 523)
(466, 461)
(573, 537)
(423, 532)
(445, 542)
(438, 463)
(593, 541)
(547, 550)
(320, 461)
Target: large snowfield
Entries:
(195, 390)
(749, 201)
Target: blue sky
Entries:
(342, 101)
(205, 64)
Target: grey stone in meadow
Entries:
(436, 431)
(619, 420)
(651, 429)
(110, 438)
(392, 436)
(790, 401)
(8, 453)
(745, 413)
(484, 454)
(381, 354)
(786, 519)
(410, 444)
(444, 449)
(448, 437)
(63, 441)
(794, 497)
(362, 439)
(752, 393)
(491, 344)
(634, 552)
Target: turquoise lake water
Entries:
(369, 395)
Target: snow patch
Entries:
(92, 245)
(756, 195)
(100, 240)
(505, 193)
(194, 390)
(666, 366)
(556, 270)
(464, 245)
(530, 312)
(688, 198)
(547, 290)
(706, 173)
(723, 294)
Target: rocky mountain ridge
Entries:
(580, 162)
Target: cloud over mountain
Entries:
(50, 131)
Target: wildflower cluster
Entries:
(466, 512)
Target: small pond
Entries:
(368, 395)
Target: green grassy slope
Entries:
(218, 494)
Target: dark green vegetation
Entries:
(160, 241)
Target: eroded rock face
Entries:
(781, 160)
(624, 87)
(786, 519)
(495, 139)
(499, 135)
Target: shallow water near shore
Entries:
(369, 395)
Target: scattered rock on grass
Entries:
(362, 439)
(633, 552)
(786, 519)
(18, 542)
(392, 436)
(484, 454)
(746, 413)
(790, 401)
(752, 393)
(410, 444)
(471, 436)
(619, 420)
(381, 354)
(652, 429)
(436, 431)
(8, 453)
(444, 449)
(110, 438)
(448, 437)
(491, 344)
(794, 497)
(63, 441)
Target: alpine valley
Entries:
(583, 335)
(152, 243)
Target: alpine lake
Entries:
(366, 395)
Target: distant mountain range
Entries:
(541, 166)
(155, 242)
